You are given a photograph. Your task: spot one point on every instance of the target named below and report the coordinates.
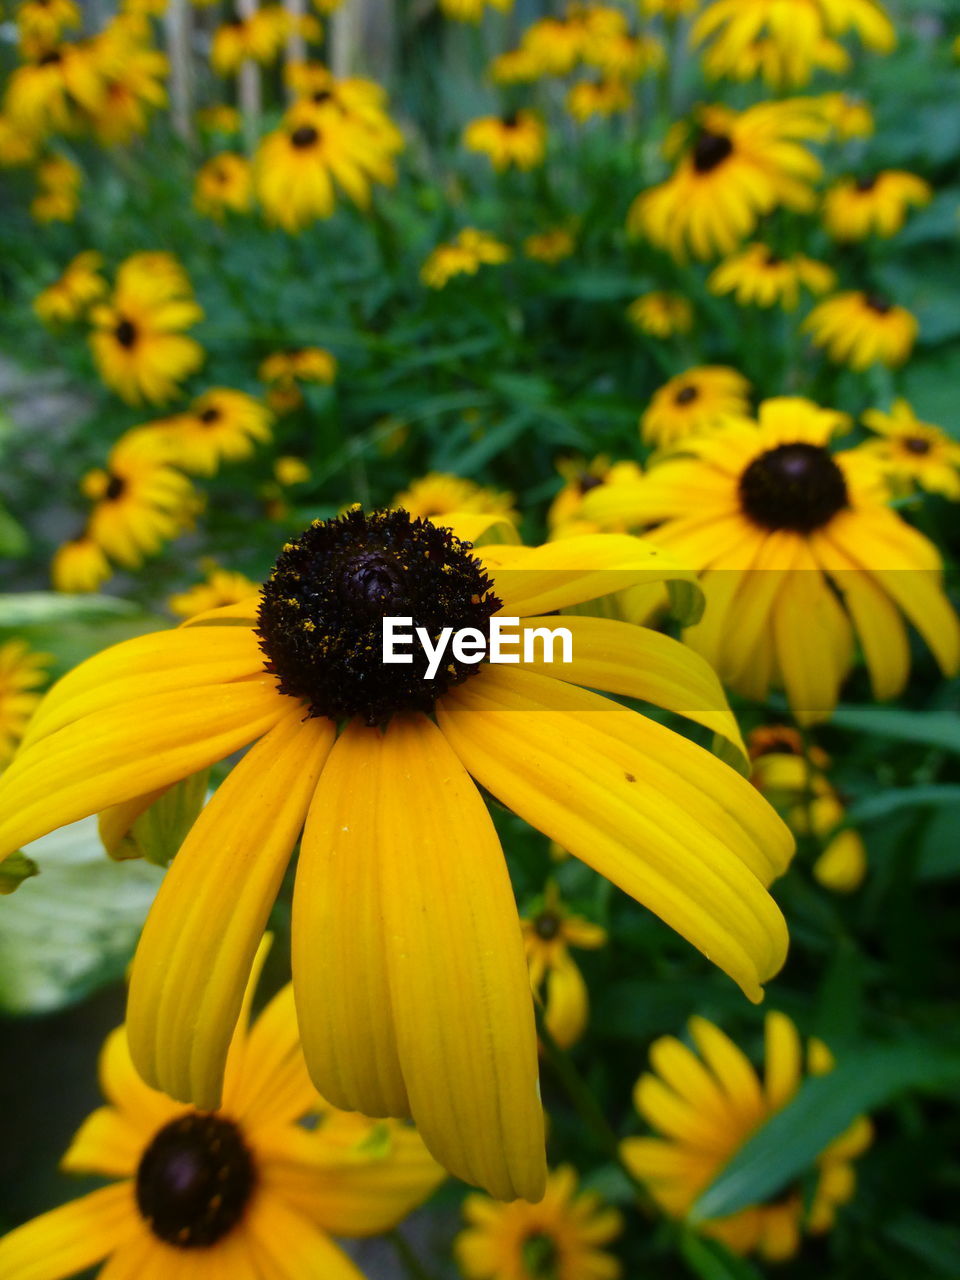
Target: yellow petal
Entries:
(783, 1058)
(567, 1002)
(106, 1143)
(813, 642)
(732, 1068)
(285, 1246)
(70, 1239)
(202, 933)
(269, 1085)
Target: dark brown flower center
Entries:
(866, 184)
(211, 415)
(195, 1180)
(710, 151)
(50, 59)
(876, 302)
(587, 482)
(686, 395)
(917, 445)
(126, 333)
(319, 96)
(547, 925)
(322, 609)
(794, 486)
(116, 486)
(510, 120)
(303, 137)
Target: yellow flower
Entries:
(288, 471)
(516, 66)
(875, 205)
(137, 345)
(740, 166)
(140, 501)
(242, 1190)
(519, 139)
(463, 255)
(560, 1237)
(701, 399)
(799, 550)
(860, 329)
(412, 986)
(224, 182)
(47, 93)
(912, 452)
(796, 782)
(44, 21)
(22, 672)
(220, 118)
(564, 518)
(472, 10)
(669, 8)
(621, 56)
(437, 494)
(780, 63)
(589, 98)
(361, 103)
(132, 74)
(18, 145)
(220, 587)
(846, 116)
(866, 17)
(554, 45)
(54, 206)
(706, 1104)
(221, 425)
(283, 369)
(661, 314)
(319, 148)
(758, 276)
(59, 180)
(79, 566)
(550, 246)
(259, 38)
(554, 976)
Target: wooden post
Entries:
(296, 44)
(248, 85)
(178, 24)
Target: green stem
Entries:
(411, 1263)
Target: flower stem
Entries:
(411, 1263)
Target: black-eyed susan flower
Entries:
(912, 452)
(601, 97)
(44, 21)
(140, 501)
(794, 778)
(360, 101)
(548, 934)
(860, 329)
(412, 986)
(758, 276)
(79, 566)
(516, 66)
(472, 10)
(563, 1236)
(23, 671)
(565, 516)
(59, 181)
(220, 118)
(799, 550)
(137, 339)
(288, 470)
(48, 92)
(780, 63)
(223, 184)
(18, 146)
(550, 246)
(875, 204)
(621, 56)
(220, 426)
(517, 140)
(660, 314)
(737, 167)
(241, 1191)
(465, 254)
(866, 18)
(701, 399)
(668, 8)
(554, 45)
(318, 150)
(220, 587)
(304, 364)
(847, 117)
(439, 494)
(132, 74)
(257, 38)
(705, 1103)
(68, 298)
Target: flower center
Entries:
(710, 150)
(211, 415)
(877, 303)
(126, 333)
(866, 184)
(540, 1256)
(587, 482)
(794, 486)
(304, 137)
(49, 59)
(322, 610)
(686, 395)
(320, 96)
(916, 444)
(194, 1180)
(547, 925)
(511, 120)
(116, 486)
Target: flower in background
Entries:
(668, 8)
(68, 298)
(661, 314)
(518, 139)
(241, 1190)
(304, 364)
(223, 184)
(550, 246)
(847, 117)
(564, 518)
(220, 587)
(562, 1236)
(59, 180)
(912, 452)
(43, 22)
(49, 91)
(620, 56)
(413, 995)
(220, 118)
(18, 146)
(140, 501)
(516, 66)
(795, 782)
(137, 339)
(799, 549)
(132, 73)
(288, 471)
(463, 255)
(472, 10)
(699, 400)
(706, 1104)
(548, 936)
(259, 38)
(588, 98)
(79, 566)
(758, 276)
(855, 208)
(737, 167)
(361, 102)
(554, 45)
(780, 64)
(437, 494)
(22, 672)
(860, 329)
(220, 426)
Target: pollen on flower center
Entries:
(710, 150)
(322, 610)
(194, 1180)
(126, 333)
(794, 486)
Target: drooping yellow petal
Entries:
(732, 1068)
(269, 1085)
(201, 936)
(567, 1001)
(813, 641)
(783, 1056)
(593, 776)
(70, 1239)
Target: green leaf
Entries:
(73, 927)
(935, 728)
(686, 601)
(881, 806)
(710, 1260)
(27, 608)
(790, 1142)
(14, 870)
(13, 538)
(934, 1244)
